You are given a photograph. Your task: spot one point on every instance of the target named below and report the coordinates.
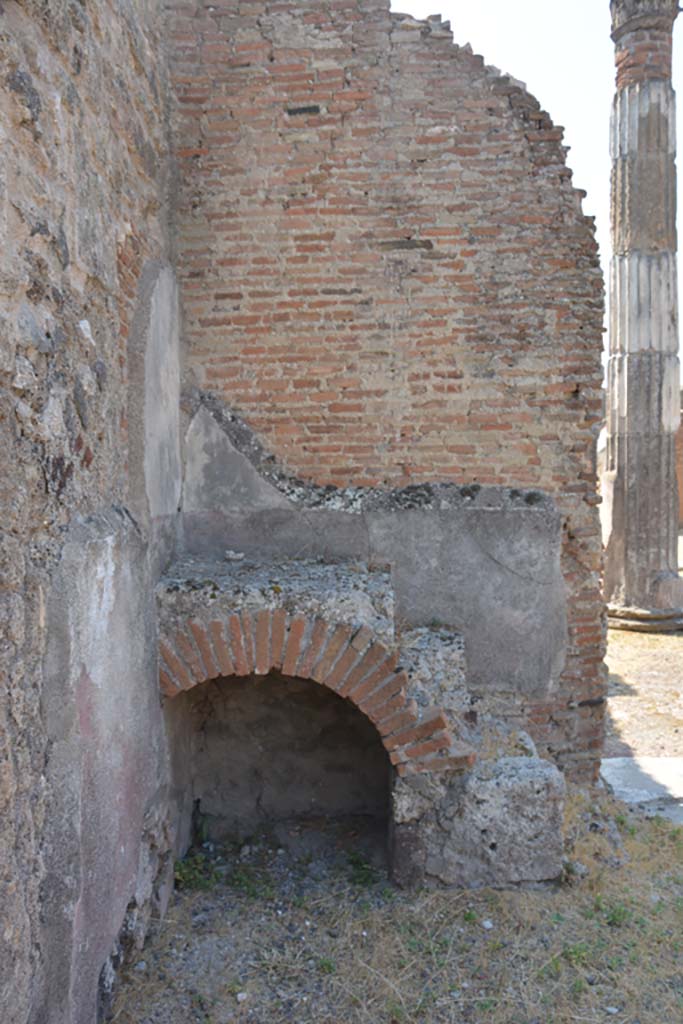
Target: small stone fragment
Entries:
(234, 556)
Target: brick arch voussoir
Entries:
(346, 659)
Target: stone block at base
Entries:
(499, 824)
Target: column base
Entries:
(645, 620)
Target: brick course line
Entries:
(237, 645)
(263, 659)
(175, 666)
(343, 665)
(421, 730)
(295, 635)
(439, 743)
(395, 684)
(311, 652)
(385, 671)
(277, 639)
(221, 648)
(374, 655)
(166, 682)
(189, 654)
(385, 710)
(201, 639)
(247, 624)
(333, 648)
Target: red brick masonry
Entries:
(345, 659)
(386, 271)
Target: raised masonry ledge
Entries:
(329, 622)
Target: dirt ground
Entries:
(261, 934)
(645, 706)
(301, 924)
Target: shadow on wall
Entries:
(270, 748)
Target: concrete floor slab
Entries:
(674, 812)
(641, 779)
(654, 784)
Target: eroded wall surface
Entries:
(386, 272)
(88, 335)
(679, 473)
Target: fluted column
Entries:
(640, 518)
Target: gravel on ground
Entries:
(267, 933)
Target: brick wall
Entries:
(386, 272)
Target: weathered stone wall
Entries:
(679, 471)
(82, 220)
(386, 272)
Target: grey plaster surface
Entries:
(154, 396)
(217, 475)
(106, 770)
(483, 562)
(654, 784)
(163, 473)
(493, 574)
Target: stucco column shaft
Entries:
(640, 516)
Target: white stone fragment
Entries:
(85, 329)
(234, 556)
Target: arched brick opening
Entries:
(274, 755)
(346, 659)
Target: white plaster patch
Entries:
(671, 396)
(101, 599)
